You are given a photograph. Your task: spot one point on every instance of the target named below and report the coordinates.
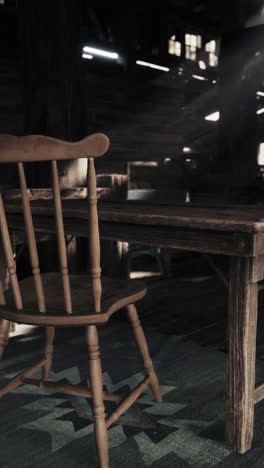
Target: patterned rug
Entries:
(43, 429)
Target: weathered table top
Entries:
(235, 218)
(229, 230)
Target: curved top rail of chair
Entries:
(45, 148)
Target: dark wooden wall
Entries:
(148, 115)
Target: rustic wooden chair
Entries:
(85, 300)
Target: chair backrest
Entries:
(34, 148)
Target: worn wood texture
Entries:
(257, 268)
(61, 242)
(96, 385)
(70, 389)
(93, 238)
(31, 238)
(115, 295)
(8, 252)
(47, 193)
(18, 380)
(235, 218)
(45, 148)
(228, 243)
(197, 240)
(48, 351)
(4, 276)
(143, 350)
(128, 401)
(4, 330)
(242, 325)
(259, 394)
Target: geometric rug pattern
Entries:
(45, 429)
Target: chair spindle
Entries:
(31, 239)
(62, 249)
(11, 266)
(94, 241)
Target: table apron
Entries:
(209, 241)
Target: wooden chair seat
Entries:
(115, 295)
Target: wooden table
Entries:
(236, 231)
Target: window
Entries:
(192, 48)
(174, 46)
(261, 154)
(192, 43)
(210, 47)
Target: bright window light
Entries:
(213, 60)
(261, 155)
(260, 93)
(186, 149)
(87, 56)
(100, 52)
(198, 77)
(174, 46)
(210, 46)
(193, 53)
(213, 117)
(193, 40)
(178, 48)
(202, 65)
(152, 65)
(260, 111)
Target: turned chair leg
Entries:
(96, 386)
(48, 351)
(143, 349)
(4, 332)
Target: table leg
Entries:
(242, 326)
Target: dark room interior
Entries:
(131, 234)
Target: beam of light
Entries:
(260, 93)
(216, 115)
(152, 65)
(213, 117)
(256, 19)
(186, 149)
(100, 52)
(198, 77)
(87, 56)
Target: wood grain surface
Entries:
(45, 148)
(248, 218)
